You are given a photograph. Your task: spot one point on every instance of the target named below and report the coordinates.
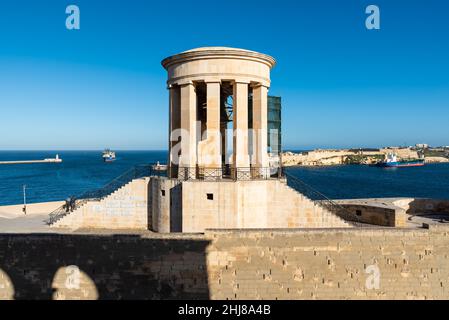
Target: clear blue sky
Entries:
(342, 85)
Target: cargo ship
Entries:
(391, 161)
(108, 155)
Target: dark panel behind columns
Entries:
(226, 104)
(176, 208)
(174, 123)
(201, 100)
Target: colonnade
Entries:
(196, 150)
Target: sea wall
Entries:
(381, 263)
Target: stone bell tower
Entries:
(219, 170)
(210, 89)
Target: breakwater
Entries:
(48, 160)
(31, 161)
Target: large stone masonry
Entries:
(168, 205)
(378, 263)
(194, 206)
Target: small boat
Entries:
(391, 161)
(108, 156)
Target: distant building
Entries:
(422, 146)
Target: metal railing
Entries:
(321, 200)
(74, 203)
(227, 172)
(183, 174)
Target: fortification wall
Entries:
(102, 267)
(330, 264)
(251, 264)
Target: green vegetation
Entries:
(361, 159)
(436, 153)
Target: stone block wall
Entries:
(110, 267)
(168, 205)
(194, 206)
(330, 264)
(242, 264)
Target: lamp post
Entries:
(24, 199)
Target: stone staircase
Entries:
(124, 204)
(124, 208)
(311, 213)
(70, 217)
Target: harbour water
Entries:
(359, 181)
(79, 172)
(83, 171)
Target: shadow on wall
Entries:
(176, 208)
(149, 208)
(47, 267)
(427, 206)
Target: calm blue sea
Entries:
(352, 182)
(84, 171)
(79, 172)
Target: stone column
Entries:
(213, 149)
(173, 128)
(260, 124)
(241, 162)
(188, 159)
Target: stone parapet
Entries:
(377, 263)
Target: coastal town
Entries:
(364, 156)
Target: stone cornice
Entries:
(248, 78)
(218, 53)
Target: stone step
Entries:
(320, 212)
(111, 197)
